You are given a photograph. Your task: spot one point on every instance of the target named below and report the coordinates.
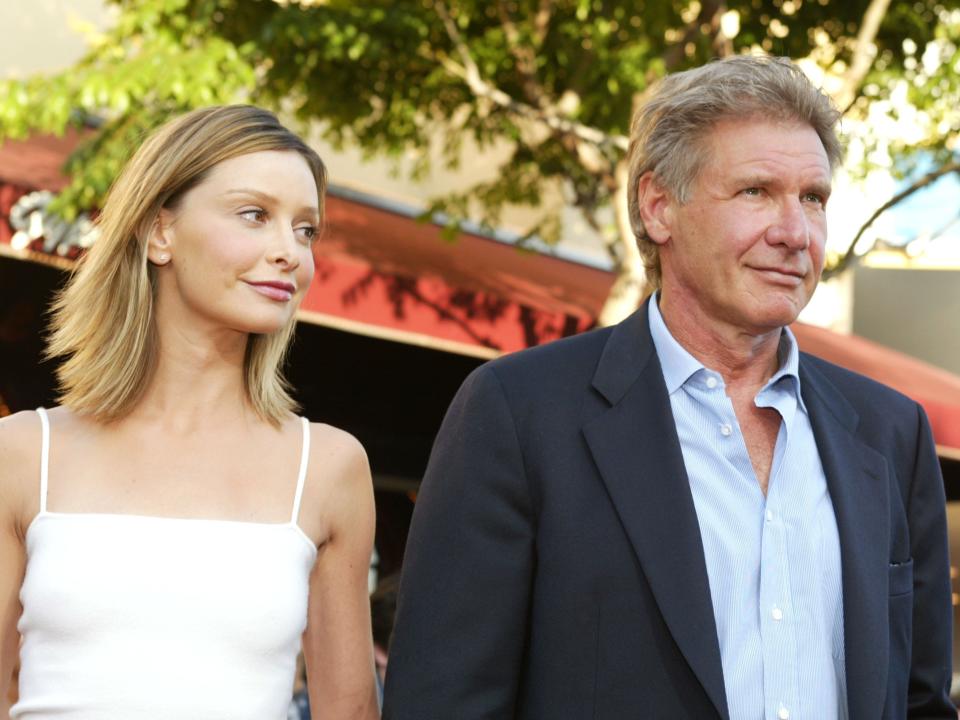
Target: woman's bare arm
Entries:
(338, 643)
(19, 462)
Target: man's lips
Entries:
(274, 289)
(781, 275)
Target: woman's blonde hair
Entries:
(103, 322)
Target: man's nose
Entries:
(791, 227)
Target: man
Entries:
(682, 516)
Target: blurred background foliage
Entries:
(556, 79)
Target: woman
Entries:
(172, 529)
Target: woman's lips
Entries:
(279, 291)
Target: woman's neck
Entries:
(199, 373)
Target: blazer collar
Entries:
(635, 446)
(859, 490)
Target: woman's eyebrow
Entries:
(272, 200)
(251, 191)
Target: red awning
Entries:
(382, 273)
(398, 277)
(37, 163)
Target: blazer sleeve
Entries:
(930, 669)
(461, 622)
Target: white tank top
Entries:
(129, 617)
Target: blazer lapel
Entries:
(635, 447)
(857, 480)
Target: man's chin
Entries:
(775, 311)
(778, 315)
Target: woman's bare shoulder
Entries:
(21, 433)
(21, 436)
(20, 439)
(339, 485)
(336, 447)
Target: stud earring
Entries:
(162, 258)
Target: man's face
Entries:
(746, 250)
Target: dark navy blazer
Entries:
(555, 570)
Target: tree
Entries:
(557, 79)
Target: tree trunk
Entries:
(629, 289)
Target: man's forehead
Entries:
(757, 147)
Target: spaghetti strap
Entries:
(44, 456)
(301, 478)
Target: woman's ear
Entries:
(159, 247)
(656, 208)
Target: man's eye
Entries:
(257, 215)
(751, 191)
(815, 198)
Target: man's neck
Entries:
(742, 357)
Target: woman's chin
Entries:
(262, 325)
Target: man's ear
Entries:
(159, 245)
(656, 208)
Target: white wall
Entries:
(914, 311)
(46, 35)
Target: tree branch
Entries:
(628, 288)
(675, 55)
(940, 231)
(541, 22)
(525, 58)
(864, 53)
(468, 71)
(928, 179)
(722, 45)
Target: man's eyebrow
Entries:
(271, 199)
(821, 187)
(751, 179)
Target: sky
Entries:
(929, 210)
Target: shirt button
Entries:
(711, 382)
(776, 614)
(725, 430)
(769, 515)
(783, 713)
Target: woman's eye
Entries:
(257, 215)
(307, 231)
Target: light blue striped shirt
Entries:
(773, 562)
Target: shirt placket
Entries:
(778, 626)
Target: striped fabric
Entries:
(773, 562)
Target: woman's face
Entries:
(238, 245)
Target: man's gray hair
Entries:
(667, 132)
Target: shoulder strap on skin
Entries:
(301, 478)
(44, 456)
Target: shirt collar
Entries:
(679, 365)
